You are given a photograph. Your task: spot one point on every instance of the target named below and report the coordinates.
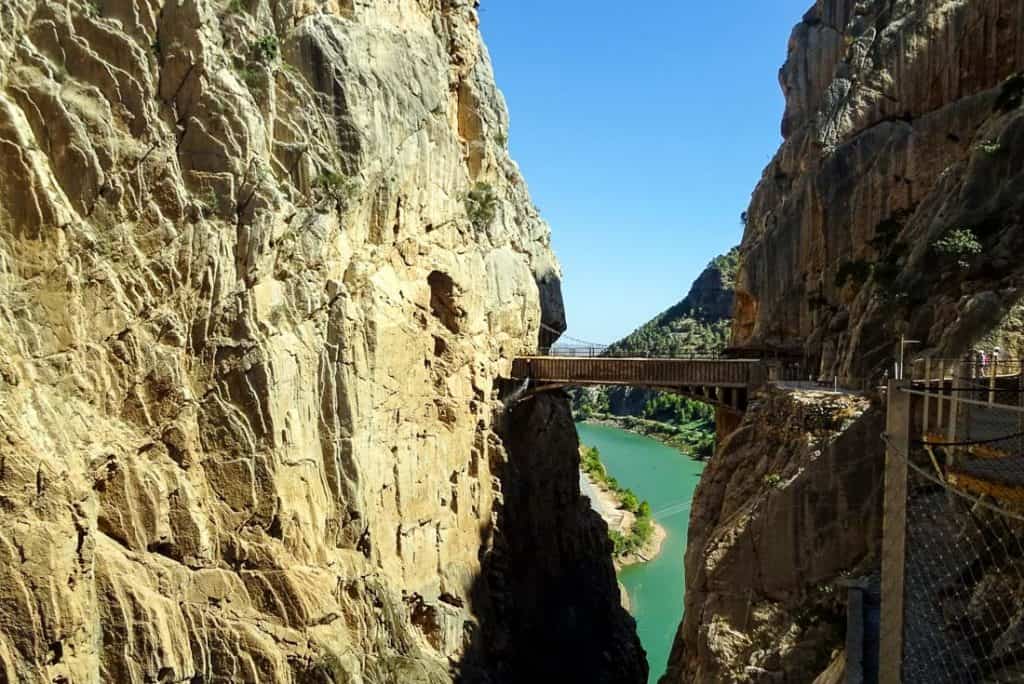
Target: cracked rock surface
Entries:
(250, 331)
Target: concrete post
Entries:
(894, 531)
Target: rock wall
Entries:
(893, 207)
(903, 125)
(789, 505)
(252, 319)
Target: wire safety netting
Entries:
(964, 584)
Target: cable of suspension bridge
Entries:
(562, 335)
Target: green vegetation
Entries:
(699, 325)
(251, 76)
(481, 205)
(989, 146)
(643, 526)
(214, 202)
(266, 49)
(92, 9)
(334, 188)
(500, 139)
(960, 244)
(236, 7)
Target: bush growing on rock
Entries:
(331, 186)
(960, 244)
(266, 49)
(481, 205)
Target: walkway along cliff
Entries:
(261, 262)
(893, 208)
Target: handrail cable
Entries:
(977, 501)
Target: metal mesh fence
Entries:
(964, 563)
(964, 583)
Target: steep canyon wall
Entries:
(893, 207)
(250, 329)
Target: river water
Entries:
(666, 479)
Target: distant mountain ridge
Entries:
(698, 325)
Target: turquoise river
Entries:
(666, 479)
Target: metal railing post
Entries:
(954, 403)
(992, 379)
(894, 533)
(927, 391)
(942, 394)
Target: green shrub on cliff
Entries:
(481, 205)
(331, 187)
(266, 49)
(960, 244)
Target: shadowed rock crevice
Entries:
(548, 587)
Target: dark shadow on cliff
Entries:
(547, 598)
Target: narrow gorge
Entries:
(266, 271)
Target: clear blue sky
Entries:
(642, 129)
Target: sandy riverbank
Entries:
(606, 504)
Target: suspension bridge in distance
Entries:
(724, 383)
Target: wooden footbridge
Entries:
(724, 383)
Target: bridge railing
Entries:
(595, 352)
(651, 372)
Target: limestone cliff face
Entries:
(894, 206)
(251, 327)
(903, 125)
(789, 504)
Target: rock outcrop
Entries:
(894, 207)
(252, 321)
(790, 503)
